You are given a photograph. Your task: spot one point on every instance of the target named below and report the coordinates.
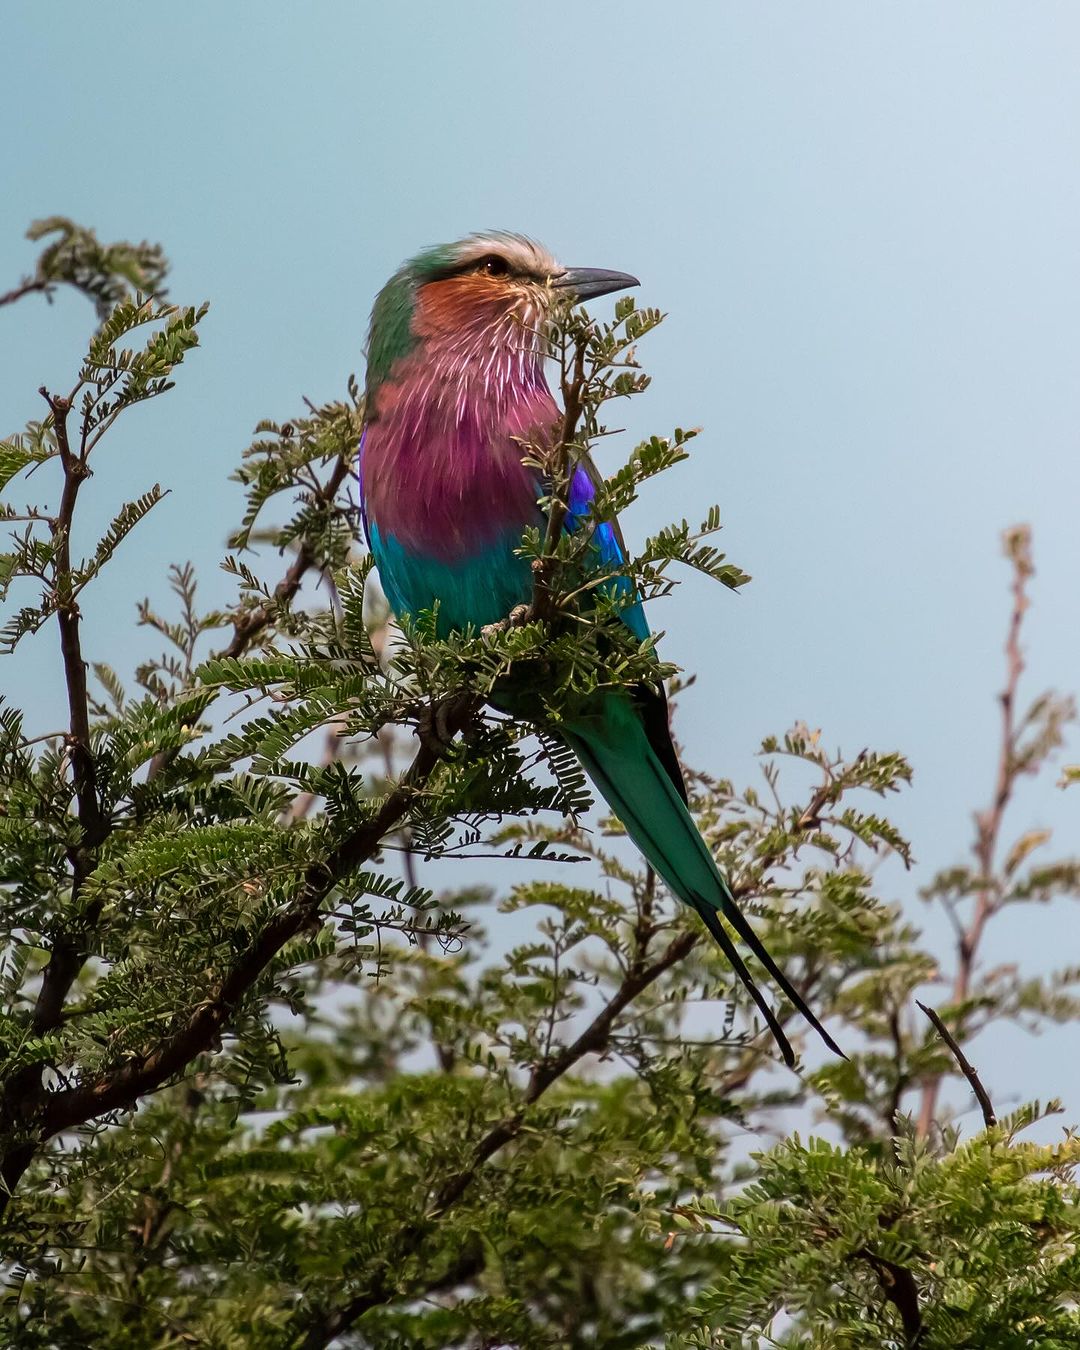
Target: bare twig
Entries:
(901, 1081)
(28, 287)
(966, 1067)
(988, 821)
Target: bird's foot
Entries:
(518, 617)
(438, 723)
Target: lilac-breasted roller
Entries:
(455, 388)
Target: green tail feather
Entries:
(616, 753)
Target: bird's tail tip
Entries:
(739, 922)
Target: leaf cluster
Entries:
(105, 273)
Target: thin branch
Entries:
(22, 1092)
(22, 1095)
(26, 741)
(988, 821)
(252, 623)
(28, 287)
(67, 613)
(901, 1080)
(899, 1287)
(966, 1067)
(31, 515)
(542, 606)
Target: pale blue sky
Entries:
(863, 220)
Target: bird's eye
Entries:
(495, 266)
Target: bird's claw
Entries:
(438, 723)
(518, 617)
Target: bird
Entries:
(455, 386)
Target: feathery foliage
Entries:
(262, 1087)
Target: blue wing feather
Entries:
(484, 587)
(608, 541)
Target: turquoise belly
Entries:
(471, 591)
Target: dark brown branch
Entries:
(899, 1287)
(69, 954)
(67, 958)
(29, 287)
(901, 1081)
(22, 1095)
(15, 1162)
(22, 1100)
(67, 613)
(966, 1067)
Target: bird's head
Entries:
(487, 292)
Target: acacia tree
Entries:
(262, 1088)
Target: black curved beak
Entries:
(585, 283)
